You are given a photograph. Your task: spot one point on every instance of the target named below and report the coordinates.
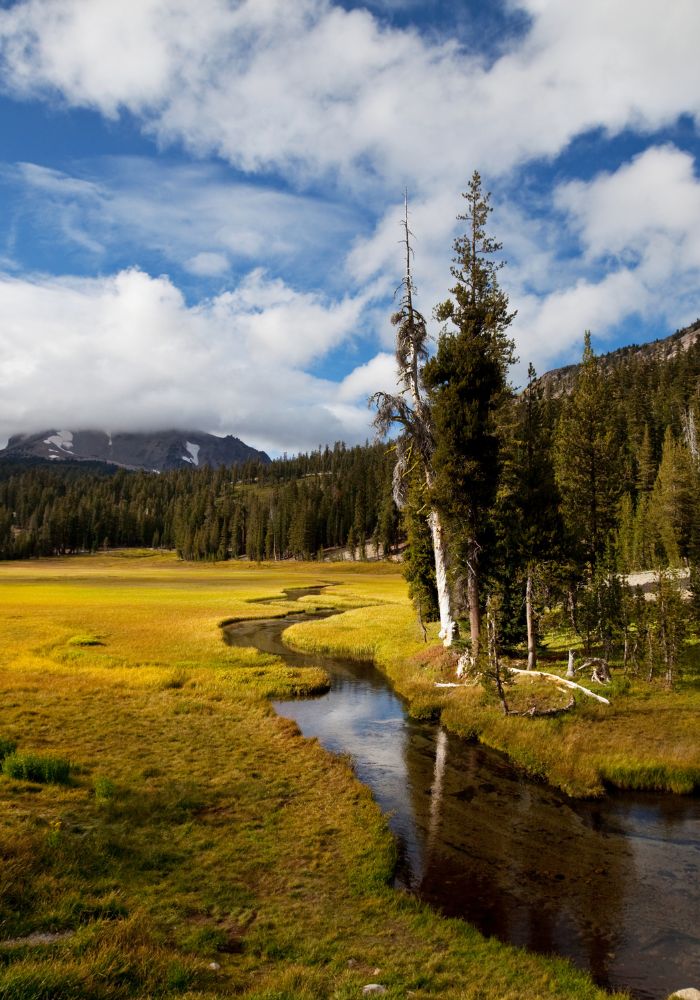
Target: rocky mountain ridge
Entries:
(156, 451)
(560, 380)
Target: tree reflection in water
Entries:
(610, 884)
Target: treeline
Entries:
(623, 452)
(642, 430)
(595, 484)
(290, 508)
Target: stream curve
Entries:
(611, 884)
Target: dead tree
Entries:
(415, 445)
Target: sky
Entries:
(200, 203)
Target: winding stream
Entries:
(610, 884)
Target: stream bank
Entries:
(610, 884)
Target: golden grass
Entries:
(199, 827)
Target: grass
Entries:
(33, 767)
(198, 827)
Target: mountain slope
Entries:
(559, 380)
(156, 451)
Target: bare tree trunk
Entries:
(570, 672)
(448, 626)
(473, 602)
(494, 657)
(531, 629)
(571, 603)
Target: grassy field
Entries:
(200, 847)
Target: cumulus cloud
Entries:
(309, 87)
(639, 230)
(127, 352)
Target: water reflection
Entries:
(611, 884)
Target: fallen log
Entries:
(560, 680)
(533, 673)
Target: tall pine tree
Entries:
(467, 385)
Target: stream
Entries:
(611, 884)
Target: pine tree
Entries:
(588, 460)
(527, 511)
(673, 503)
(467, 385)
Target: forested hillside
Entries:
(290, 508)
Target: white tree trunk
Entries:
(570, 672)
(447, 623)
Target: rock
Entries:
(38, 938)
(373, 989)
(688, 994)
(214, 966)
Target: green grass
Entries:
(33, 767)
(198, 826)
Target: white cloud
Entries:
(640, 232)
(656, 195)
(126, 351)
(208, 264)
(335, 101)
(376, 375)
(310, 88)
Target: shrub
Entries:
(176, 680)
(86, 639)
(104, 789)
(31, 767)
(7, 747)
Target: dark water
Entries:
(612, 884)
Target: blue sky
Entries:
(200, 203)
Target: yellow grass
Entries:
(199, 827)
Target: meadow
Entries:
(199, 847)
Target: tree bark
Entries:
(530, 619)
(473, 602)
(448, 626)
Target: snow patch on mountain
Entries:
(193, 450)
(61, 440)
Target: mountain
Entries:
(156, 451)
(559, 381)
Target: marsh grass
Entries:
(34, 767)
(198, 826)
